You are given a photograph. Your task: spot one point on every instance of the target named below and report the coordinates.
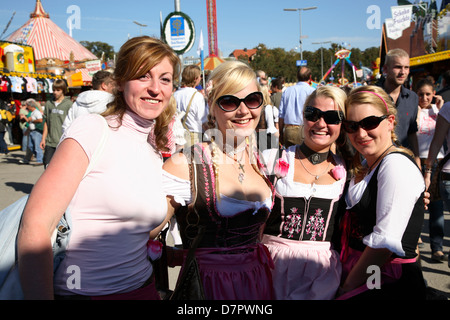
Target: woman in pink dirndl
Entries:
(233, 196)
(385, 208)
(300, 228)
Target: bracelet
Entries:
(428, 170)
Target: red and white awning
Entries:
(85, 75)
(48, 40)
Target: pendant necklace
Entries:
(233, 155)
(313, 156)
(316, 176)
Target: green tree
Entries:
(279, 62)
(99, 48)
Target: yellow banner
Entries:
(16, 57)
(77, 79)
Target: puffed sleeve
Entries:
(400, 185)
(180, 189)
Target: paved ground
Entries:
(17, 180)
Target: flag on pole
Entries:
(160, 25)
(200, 49)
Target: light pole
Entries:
(321, 51)
(140, 26)
(300, 17)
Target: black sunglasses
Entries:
(230, 103)
(330, 117)
(368, 123)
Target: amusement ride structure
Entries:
(343, 55)
(213, 59)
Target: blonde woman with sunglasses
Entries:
(299, 230)
(233, 197)
(384, 205)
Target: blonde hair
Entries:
(266, 95)
(336, 94)
(229, 77)
(394, 53)
(378, 98)
(135, 58)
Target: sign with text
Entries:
(179, 32)
(401, 20)
(93, 66)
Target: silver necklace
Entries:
(233, 155)
(316, 176)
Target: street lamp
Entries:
(300, 17)
(321, 51)
(140, 26)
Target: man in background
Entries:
(291, 108)
(92, 101)
(396, 71)
(277, 91)
(55, 112)
(192, 103)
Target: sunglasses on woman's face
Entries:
(230, 103)
(368, 123)
(330, 117)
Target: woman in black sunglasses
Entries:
(300, 227)
(384, 205)
(233, 197)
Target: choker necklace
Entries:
(316, 176)
(312, 156)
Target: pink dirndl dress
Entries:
(298, 235)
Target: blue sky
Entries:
(241, 23)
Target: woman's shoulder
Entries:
(178, 164)
(400, 165)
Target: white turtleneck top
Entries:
(114, 208)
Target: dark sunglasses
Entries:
(368, 123)
(230, 103)
(330, 117)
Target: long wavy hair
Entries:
(135, 58)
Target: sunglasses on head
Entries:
(368, 123)
(230, 103)
(330, 117)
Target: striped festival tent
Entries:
(47, 39)
(211, 62)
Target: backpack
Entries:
(10, 218)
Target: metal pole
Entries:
(300, 18)
(301, 44)
(178, 9)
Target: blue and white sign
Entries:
(302, 63)
(177, 27)
(179, 32)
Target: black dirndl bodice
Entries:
(243, 228)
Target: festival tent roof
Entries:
(47, 39)
(211, 62)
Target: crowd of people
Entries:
(284, 193)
